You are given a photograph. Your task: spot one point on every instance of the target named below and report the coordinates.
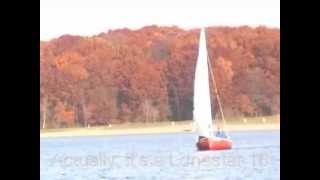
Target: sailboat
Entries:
(202, 117)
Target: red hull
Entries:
(214, 144)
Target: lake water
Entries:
(255, 155)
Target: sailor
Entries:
(220, 133)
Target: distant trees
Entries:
(147, 75)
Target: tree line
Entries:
(147, 75)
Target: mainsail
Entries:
(201, 100)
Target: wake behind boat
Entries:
(208, 140)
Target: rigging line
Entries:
(216, 91)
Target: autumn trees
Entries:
(147, 75)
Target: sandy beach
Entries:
(150, 128)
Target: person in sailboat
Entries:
(220, 133)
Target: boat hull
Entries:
(214, 144)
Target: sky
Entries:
(91, 17)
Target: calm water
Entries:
(255, 155)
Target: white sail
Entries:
(201, 101)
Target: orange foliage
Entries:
(122, 74)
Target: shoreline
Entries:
(158, 128)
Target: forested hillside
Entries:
(147, 75)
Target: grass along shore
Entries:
(233, 124)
